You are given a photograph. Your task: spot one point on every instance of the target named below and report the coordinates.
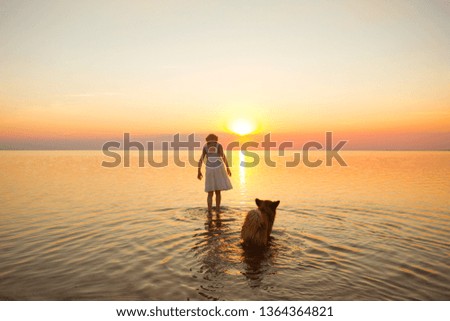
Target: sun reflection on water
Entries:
(241, 169)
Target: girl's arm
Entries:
(199, 174)
(225, 161)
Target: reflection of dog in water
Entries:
(258, 223)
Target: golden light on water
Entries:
(241, 169)
(242, 126)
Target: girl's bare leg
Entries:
(209, 201)
(218, 199)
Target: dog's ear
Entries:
(258, 202)
(275, 204)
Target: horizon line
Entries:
(251, 150)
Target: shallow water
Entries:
(73, 230)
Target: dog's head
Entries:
(267, 205)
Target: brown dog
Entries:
(258, 223)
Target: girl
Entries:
(216, 178)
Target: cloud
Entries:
(95, 94)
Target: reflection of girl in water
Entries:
(216, 179)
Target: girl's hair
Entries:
(212, 138)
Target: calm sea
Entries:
(378, 229)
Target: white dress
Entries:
(216, 177)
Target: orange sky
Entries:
(82, 73)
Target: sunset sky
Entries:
(76, 73)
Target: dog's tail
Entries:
(253, 229)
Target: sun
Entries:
(242, 126)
